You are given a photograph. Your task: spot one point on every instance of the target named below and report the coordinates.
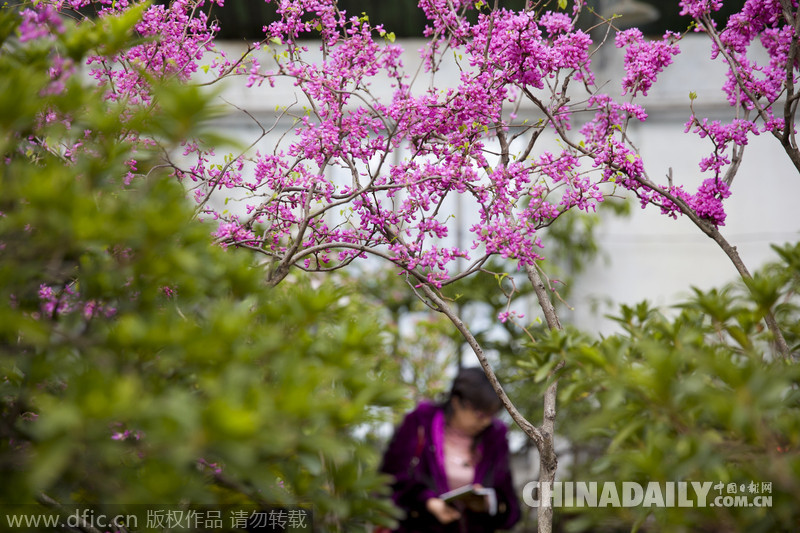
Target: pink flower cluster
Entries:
(294, 21)
(232, 233)
(360, 174)
(213, 467)
(644, 60)
(180, 34)
(699, 8)
(707, 203)
(525, 50)
(446, 132)
(753, 88)
(722, 136)
(763, 20)
(56, 302)
(444, 18)
(40, 21)
(127, 434)
(505, 316)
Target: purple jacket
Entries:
(415, 458)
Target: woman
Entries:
(441, 447)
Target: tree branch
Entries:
(443, 307)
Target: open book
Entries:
(474, 497)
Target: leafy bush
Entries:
(139, 363)
(692, 396)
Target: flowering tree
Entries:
(359, 174)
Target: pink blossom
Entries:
(127, 435)
(362, 174)
(707, 203)
(644, 60)
(233, 233)
(213, 467)
(505, 316)
(40, 21)
(699, 8)
(169, 292)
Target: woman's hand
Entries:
(478, 505)
(443, 512)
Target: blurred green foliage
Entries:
(421, 343)
(138, 363)
(694, 395)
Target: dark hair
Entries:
(472, 388)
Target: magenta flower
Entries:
(707, 203)
(644, 60)
(40, 21)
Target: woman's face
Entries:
(469, 420)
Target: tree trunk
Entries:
(548, 461)
(544, 436)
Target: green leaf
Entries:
(622, 435)
(544, 371)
